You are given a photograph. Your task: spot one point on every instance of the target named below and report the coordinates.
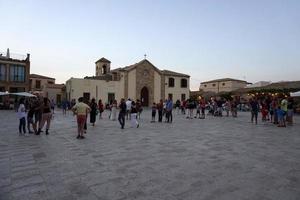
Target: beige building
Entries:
(46, 86)
(223, 85)
(141, 81)
(14, 72)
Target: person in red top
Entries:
(101, 108)
(202, 105)
(183, 107)
(264, 111)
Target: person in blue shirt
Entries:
(169, 107)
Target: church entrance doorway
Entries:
(145, 96)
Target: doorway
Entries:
(145, 96)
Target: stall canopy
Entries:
(295, 94)
(24, 94)
(4, 93)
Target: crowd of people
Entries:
(276, 110)
(38, 111)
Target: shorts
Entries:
(37, 117)
(284, 113)
(81, 119)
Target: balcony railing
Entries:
(13, 56)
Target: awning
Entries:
(24, 94)
(295, 94)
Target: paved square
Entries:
(215, 158)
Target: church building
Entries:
(141, 81)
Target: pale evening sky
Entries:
(253, 40)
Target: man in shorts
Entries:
(81, 110)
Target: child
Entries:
(22, 115)
(153, 112)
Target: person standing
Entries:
(202, 104)
(64, 106)
(46, 116)
(81, 109)
(284, 108)
(38, 107)
(177, 106)
(275, 105)
(93, 112)
(133, 115)
(30, 121)
(122, 113)
(52, 105)
(234, 105)
(198, 108)
(139, 108)
(227, 107)
(128, 107)
(290, 111)
(254, 109)
(114, 110)
(160, 108)
(154, 107)
(169, 107)
(22, 115)
(101, 108)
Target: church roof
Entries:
(40, 76)
(103, 60)
(165, 72)
(223, 80)
(172, 73)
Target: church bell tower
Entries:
(102, 66)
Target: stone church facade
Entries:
(141, 81)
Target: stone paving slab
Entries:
(215, 158)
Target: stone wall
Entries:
(145, 78)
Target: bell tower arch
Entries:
(102, 66)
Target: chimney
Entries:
(7, 53)
(28, 57)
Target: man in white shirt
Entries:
(128, 108)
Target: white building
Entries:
(223, 85)
(138, 81)
(259, 84)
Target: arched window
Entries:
(171, 82)
(183, 83)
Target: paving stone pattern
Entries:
(215, 158)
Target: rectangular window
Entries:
(17, 73)
(170, 95)
(37, 84)
(182, 97)
(2, 72)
